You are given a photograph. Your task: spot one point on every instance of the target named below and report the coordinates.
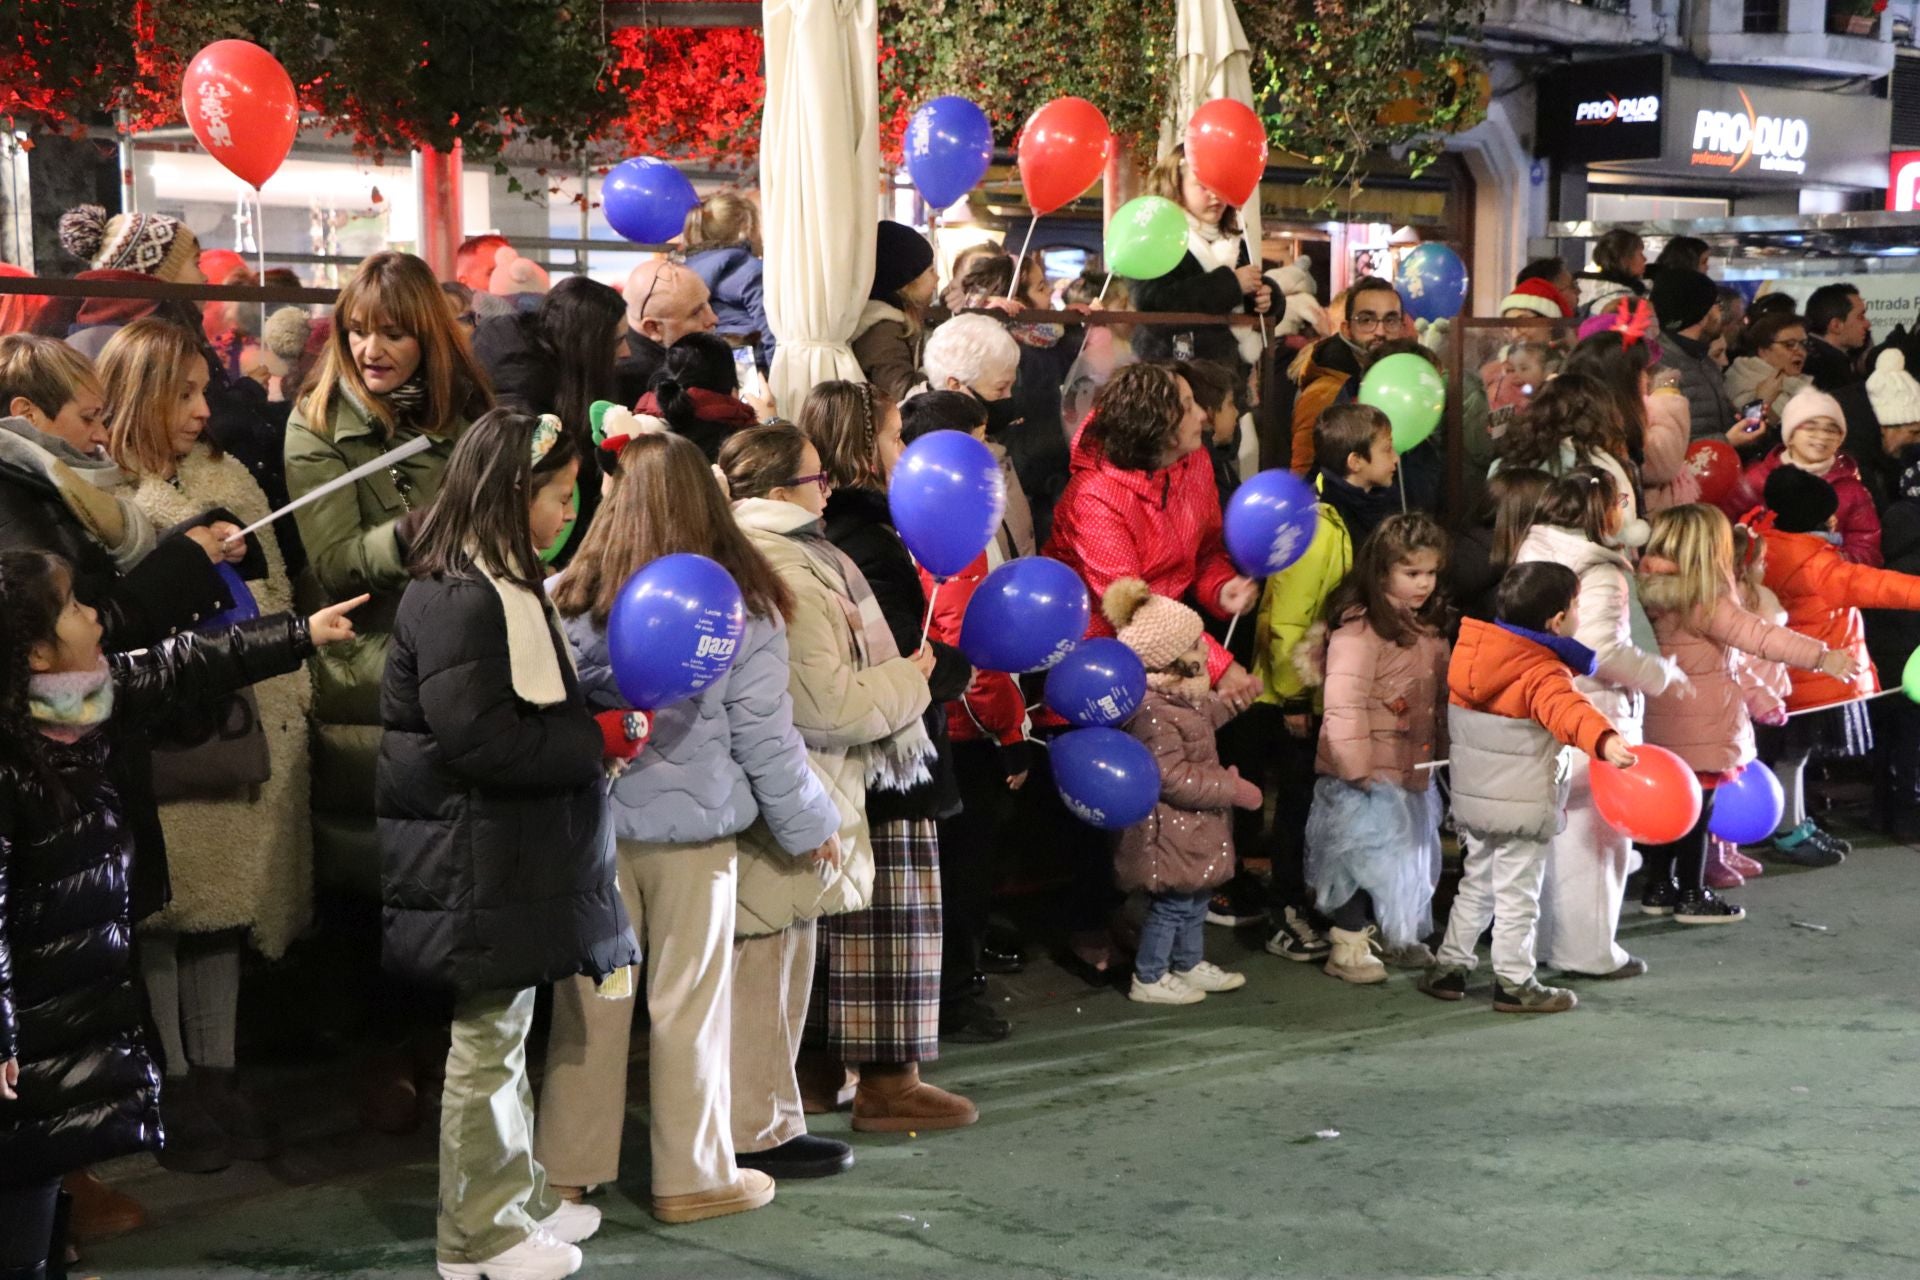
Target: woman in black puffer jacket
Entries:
(77, 1083)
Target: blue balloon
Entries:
(947, 496)
(245, 607)
(1025, 616)
(1433, 283)
(674, 630)
(1100, 683)
(1270, 520)
(647, 200)
(1107, 778)
(1747, 809)
(949, 145)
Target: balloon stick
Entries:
(1847, 702)
(1020, 263)
(1400, 478)
(260, 249)
(1231, 624)
(1246, 238)
(926, 627)
(1104, 288)
(391, 458)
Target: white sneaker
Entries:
(538, 1257)
(571, 1223)
(1207, 976)
(1169, 990)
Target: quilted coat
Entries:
(497, 851)
(1384, 707)
(1162, 526)
(1823, 594)
(351, 548)
(1859, 520)
(1511, 711)
(1709, 727)
(1186, 843)
(718, 760)
(69, 1010)
(840, 709)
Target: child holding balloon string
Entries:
(1767, 686)
(1688, 586)
(1373, 836)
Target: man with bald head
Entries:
(665, 303)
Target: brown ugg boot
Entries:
(100, 1212)
(826, 1083)
(891, 1098)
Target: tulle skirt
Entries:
(1386, 841)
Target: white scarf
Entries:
(531, 651)
(1214, 248)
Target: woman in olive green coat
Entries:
(396, 367)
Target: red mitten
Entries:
(624, 732)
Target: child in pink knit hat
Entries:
(1184, 849)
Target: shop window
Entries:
(1854, 17)
(1761, 17)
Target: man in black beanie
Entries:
(1801, 502)
(1688, 305)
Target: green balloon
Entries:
(1910, 677)
(1410, 391)
(1146, 239)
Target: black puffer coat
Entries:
(859, 522)
(496, 851)
(68, 1009)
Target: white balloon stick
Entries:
(419, 444)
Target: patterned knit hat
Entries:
(1539, 297)
(151, 243)
(1157, 628)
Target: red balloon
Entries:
(239, 102)
(1716, 465)
(1227, 150)
(1656, 802)
(1063, 150)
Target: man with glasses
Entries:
(666, 301)
(1688, 306)
(1329, 371)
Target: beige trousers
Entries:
(680, 898)
(772, 981)
(492, 1190)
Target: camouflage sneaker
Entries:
(1445, 982)
(1531, 997)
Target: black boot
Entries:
(194, 1143)
(250, 1135)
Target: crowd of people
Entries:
(795, 869)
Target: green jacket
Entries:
(1292, 602)
(349, 535)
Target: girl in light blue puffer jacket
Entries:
(715, 763)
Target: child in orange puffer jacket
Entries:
(1823, 594)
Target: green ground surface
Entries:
(1746, 1109)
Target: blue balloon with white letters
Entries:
(947, 495)
(647, 200)
(948, 146)
(1108, 779)
(1024, 616)
(1269, 522)
(1101, 682)
(674, 630)
(1433, 283)
(1747, 810)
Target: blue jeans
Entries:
(1174, 933)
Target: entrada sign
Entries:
(1731, 140)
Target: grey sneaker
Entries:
(1445, 982)
(1415, 955)
(1532, 996)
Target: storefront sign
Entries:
(1892, 298)
(1903, 181)
(1637, 115)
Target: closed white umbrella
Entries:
(1214, 61)
(819, 173)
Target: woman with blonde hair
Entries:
(1217, 276)
(723, 249)
(231, 778)
(397, 368)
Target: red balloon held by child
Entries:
(1716, 466)
(1656, 802)
(1227, 150)
(1063, 151)
(239, 101)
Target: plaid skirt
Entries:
(876, 978)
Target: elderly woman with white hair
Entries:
(975, 355)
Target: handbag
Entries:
(213, 749)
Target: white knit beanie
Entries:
(1157, 628)
(1892, 390)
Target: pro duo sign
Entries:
(1731, 140)
(1612, 110)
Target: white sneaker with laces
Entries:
(1168, 990)
(571, 1223)
(538, 1257)
(1207, 976)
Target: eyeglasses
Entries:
(819, 478)
(1366, 321)
(1791, 344)
(667, 266)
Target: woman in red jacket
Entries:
(1823, 594)
(1141, 503)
